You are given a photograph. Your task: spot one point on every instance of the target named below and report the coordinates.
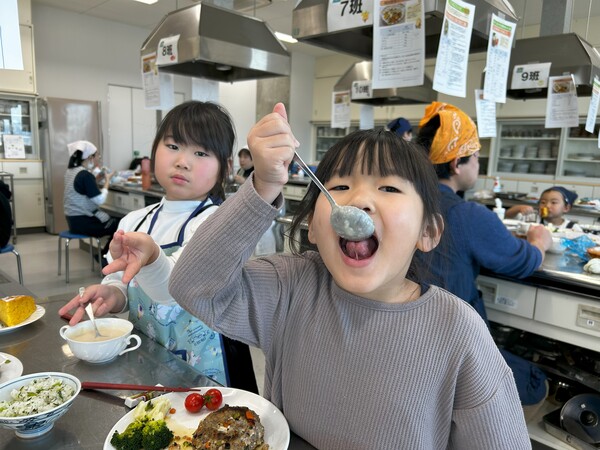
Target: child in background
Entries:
(359, 353)
(190, 156)
(554, 203)
(246, 166)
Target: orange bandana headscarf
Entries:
(455, 138)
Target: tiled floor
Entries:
(39, 259)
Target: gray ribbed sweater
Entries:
(347, 372)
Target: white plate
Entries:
(37, 314)
(277, 430)
(11, 370)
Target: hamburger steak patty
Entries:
(230, 428)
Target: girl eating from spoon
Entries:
(359, 353)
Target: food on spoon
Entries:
(16, 309)
(544, 212)
(42, 394)
(231, 427)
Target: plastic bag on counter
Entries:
(578, 246)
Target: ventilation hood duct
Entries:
(309, 25)
(362, 71)
(220, 44)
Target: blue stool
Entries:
(8, 248)
(67, 236)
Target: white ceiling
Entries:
(277, 13)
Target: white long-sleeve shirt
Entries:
(154, 278)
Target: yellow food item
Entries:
(544, 212)
(15, 309)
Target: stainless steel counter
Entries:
(93, 414)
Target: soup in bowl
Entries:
(114, 340)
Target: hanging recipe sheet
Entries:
(158, 87)
(450, 76)
(590, 122)
(340, 109)
(498, 58)
(486, 115)
(398, 44)
(561, 106)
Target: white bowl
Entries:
(35, 425)
(101, 351)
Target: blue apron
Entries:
(172, 326)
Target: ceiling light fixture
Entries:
(285, 37)
(147, 2)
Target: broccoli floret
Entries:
(130, 438)
(156, 435)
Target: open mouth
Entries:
(359, 250)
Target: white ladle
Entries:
(90, 312)
(349, 222)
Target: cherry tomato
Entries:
(213, 399)
(194, 402)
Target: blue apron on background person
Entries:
(172, 326)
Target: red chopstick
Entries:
(133, 387)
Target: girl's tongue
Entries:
(360, 249)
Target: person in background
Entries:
(6, 219)
(346, 326)
(246, 166)
(190, 153)
(474, 236)
(554, 203)
(402, 128)
(82, 197)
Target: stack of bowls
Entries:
(531, 152)
(522, 167)
(544, 151)
(518, 151)
(505, 166)
(505, 152)
(538, 167)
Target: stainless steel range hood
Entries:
(362, 71)
(568, 53)
(220, 44)
(309, 25)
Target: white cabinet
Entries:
(28, 192)
(526, 149)
(512, 298)
(581, 156)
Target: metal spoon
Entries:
(90, 312)
(349, 222)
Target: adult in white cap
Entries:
(83, 196)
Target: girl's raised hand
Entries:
(130, 252)
(272, 145)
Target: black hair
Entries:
(204, 124)
(245, 151)
(76, 159)
(375, 152)
(425, 139)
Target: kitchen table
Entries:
(93, 414)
